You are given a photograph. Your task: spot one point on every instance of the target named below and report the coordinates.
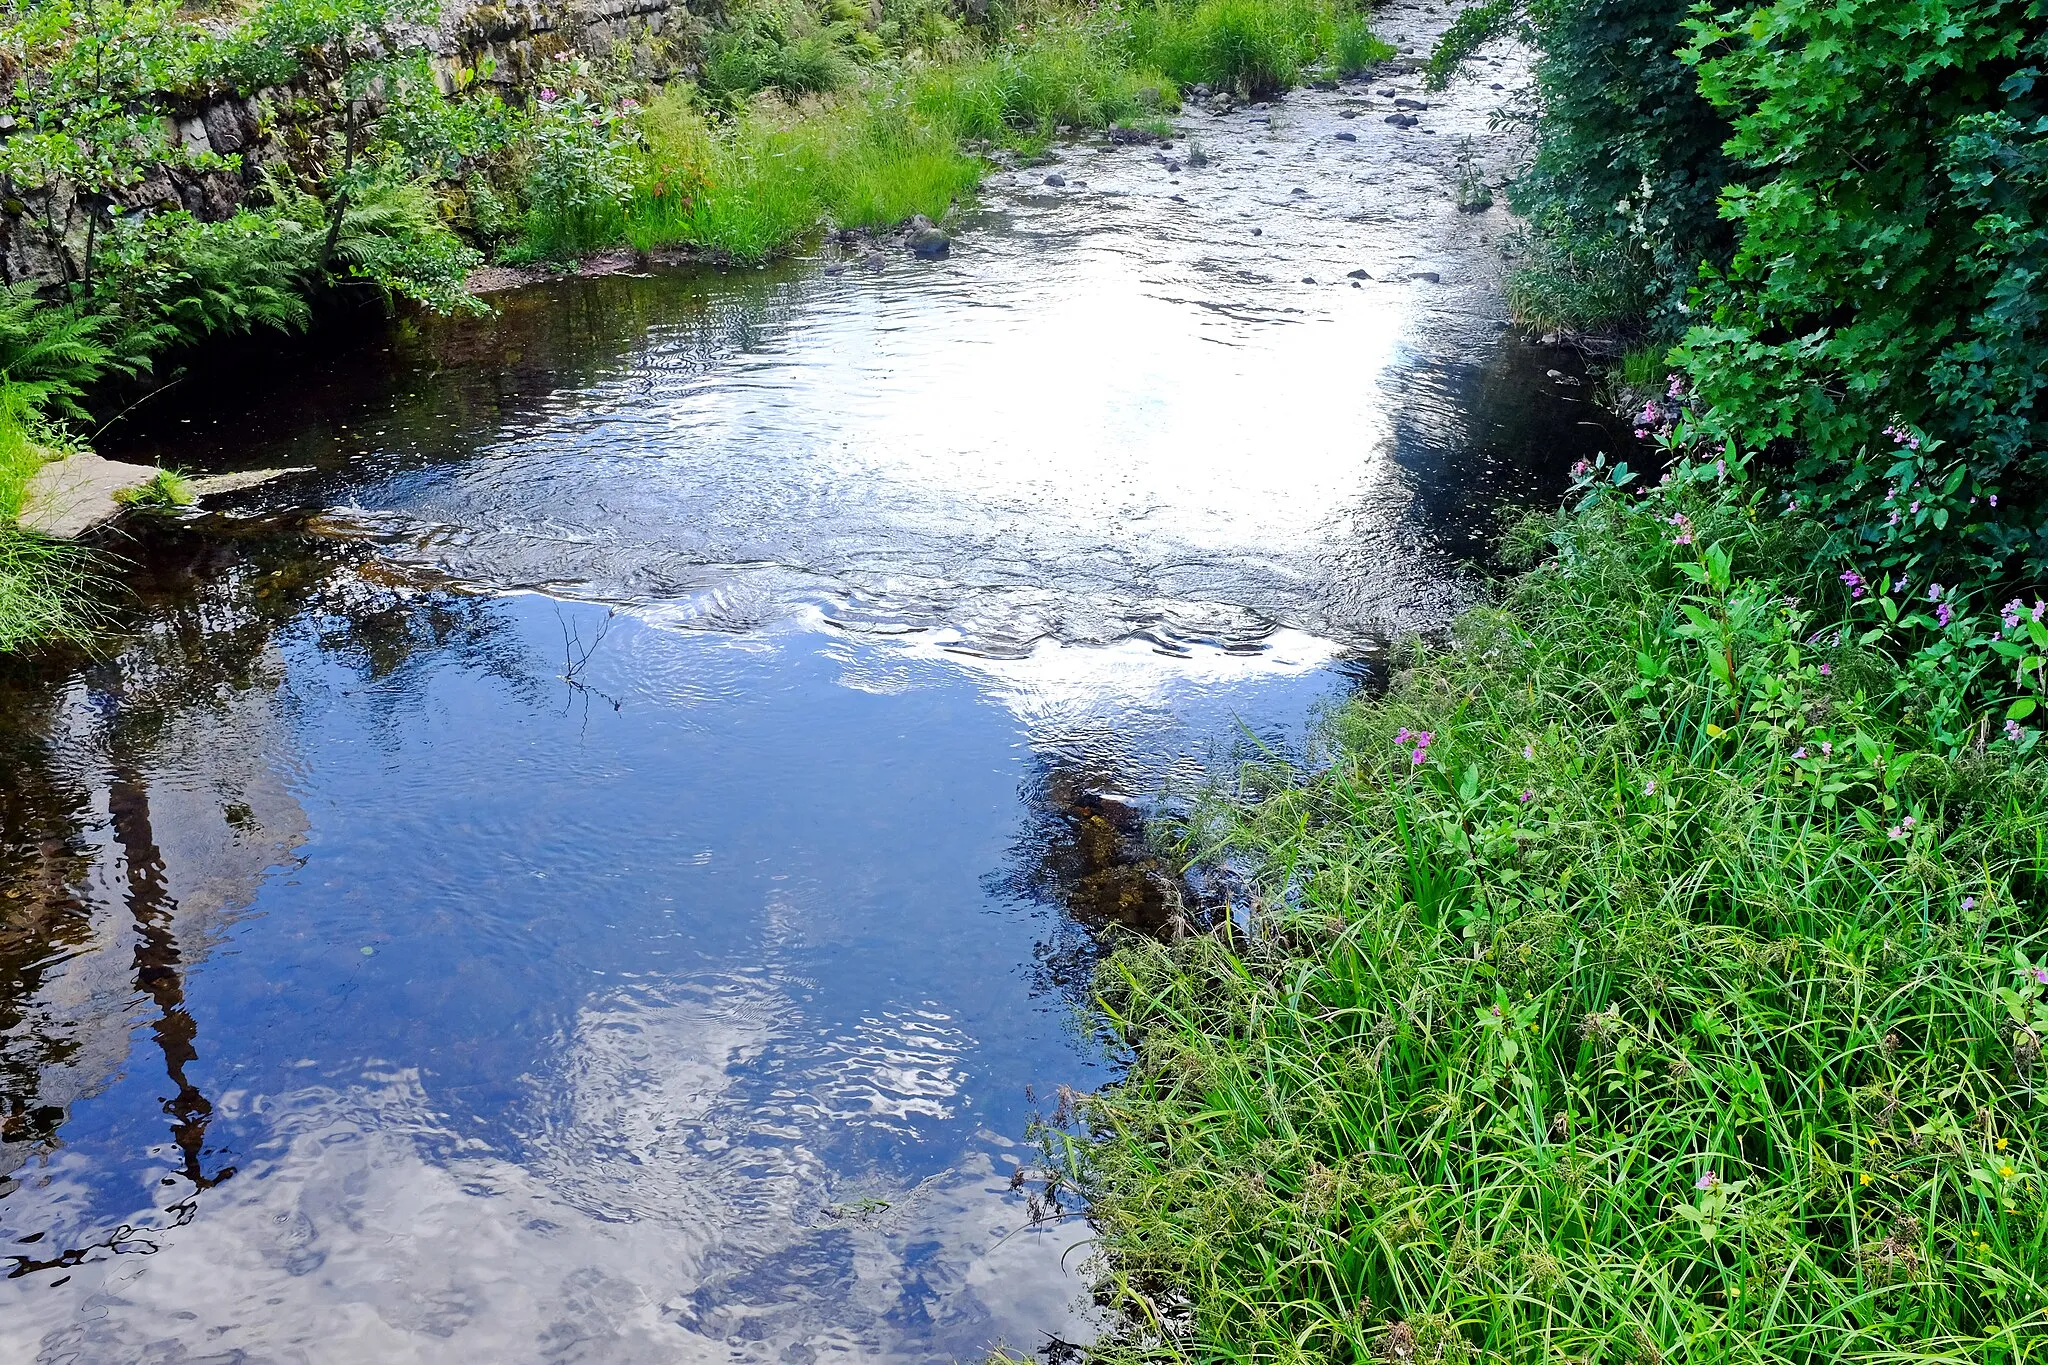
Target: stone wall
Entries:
(653, 39)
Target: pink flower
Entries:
(1799, 752)
(547, 95)
(1528, 795)
(1825, 670)
(1827, 746)
(1942, 612)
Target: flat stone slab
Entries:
(68, 497)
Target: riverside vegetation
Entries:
(801, 118)
(1658, 970)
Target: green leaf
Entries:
(2020, 709)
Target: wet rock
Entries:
(874, 260)
(1140, 137)
(1258, 232)
(1180, 199)
(1429, 276)
(1171, 165)
(1347, 113)
(1384, 94)
(1308, 279)
(918, 223)
(1299, 192)
(835, 268)
(1496, 86)
(1410, 104)
(1356, 275)
(1403, 120)
(1056, 180)
(1197, 157)
(1347, 137)
(929, 245)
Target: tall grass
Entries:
(1630, 984)
(1076, 72)
(45, 587)
(750, 185)
(1257, 48)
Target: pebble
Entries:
(1347, 137)
(1056, 181)
(1258, 232)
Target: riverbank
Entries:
(1637, 979)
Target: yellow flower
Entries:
(1866, 1178)
(2001, 1144)
(2007, 1171)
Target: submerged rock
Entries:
(1347, 137)
(1056, 180)
(1403, 120)
(929, 244)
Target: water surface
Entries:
(603, 862)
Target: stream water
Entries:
(603, 862)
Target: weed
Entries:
(168, 488)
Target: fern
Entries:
(52, 353)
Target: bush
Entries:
(1881, 322)
(1631, 983)
(1627, 166)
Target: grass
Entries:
(1678, 1003)
(46, 588)
(167, 488)
(750, 177)
(1256, 48)
(752, 184)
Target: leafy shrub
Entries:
(579, 173)
(1627, 165)
(1881, 321)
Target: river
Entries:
(604, 861)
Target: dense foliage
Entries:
(1635, 982)
(1881, 322)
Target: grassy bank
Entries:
(1640, 979)
(755, 172)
